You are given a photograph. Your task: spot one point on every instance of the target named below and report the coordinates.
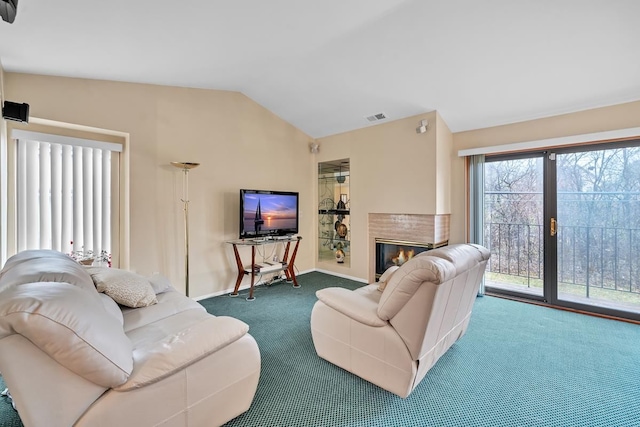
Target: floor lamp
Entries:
(186, 166)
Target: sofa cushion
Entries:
(169, 345)
(72, 328)
(169, 303)
(126, 288)
(44, 266)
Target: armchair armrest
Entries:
(163, 358)
(352, 305)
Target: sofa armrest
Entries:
(45, 392)
(352, 305)
(163, 358)
(71, 327)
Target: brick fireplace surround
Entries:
(422, 229)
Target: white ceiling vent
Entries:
(376, 117)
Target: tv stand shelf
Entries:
(252, 269)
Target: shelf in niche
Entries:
(334, 240)
(333, 211)
(326, 254)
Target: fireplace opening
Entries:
(393, 252)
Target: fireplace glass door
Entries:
(391, 252)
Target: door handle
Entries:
(554, 227)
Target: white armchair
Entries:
(391, 338)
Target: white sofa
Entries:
(393, 337)
(71, 356)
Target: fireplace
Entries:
(414, 233)
(395, 252)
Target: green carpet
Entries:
(518, 365)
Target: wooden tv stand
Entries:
(287, 265)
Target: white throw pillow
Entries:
(126, 288)
(160, 283)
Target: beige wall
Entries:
(238, 143)
(393, 170)
(622, 116)
(242, 145)
(3, 175)
(444, 153)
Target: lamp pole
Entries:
(186, 166)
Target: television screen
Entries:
(268, 213)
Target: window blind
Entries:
(64, 195)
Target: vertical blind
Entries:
(64, 196)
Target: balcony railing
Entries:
(606, 258)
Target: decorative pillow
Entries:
(160, 283)
(126, 288)
(386, 276)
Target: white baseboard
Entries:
(263, 282)
(229, 290)
(344, 276)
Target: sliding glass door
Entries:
(564, 227)
(513, 224)
(598, 241)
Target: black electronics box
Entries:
(15, 111)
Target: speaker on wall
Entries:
(15, 111)
(8, 10)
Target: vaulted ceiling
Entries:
(325, 66)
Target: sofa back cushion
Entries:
(31, 254)
(405, 282)
(33, 266)
(70, 327)
(438, 309)
(463, 256)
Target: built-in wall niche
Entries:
(334, 208)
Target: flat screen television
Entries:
(268, 213)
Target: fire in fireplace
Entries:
(393, 252)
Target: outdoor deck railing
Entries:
(600, 257)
